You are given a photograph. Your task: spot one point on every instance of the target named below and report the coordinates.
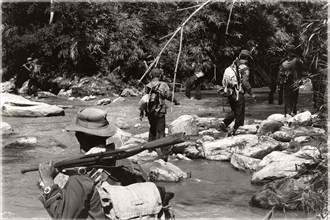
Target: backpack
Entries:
(232, 80)
(156, 99)
(135, 201)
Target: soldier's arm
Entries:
(69, 202)
(245, 81)
(168, 94)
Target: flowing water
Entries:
(215, 190)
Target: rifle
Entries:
(103, 158)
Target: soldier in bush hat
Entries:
(236, 83)
(79, 197)
(157, 92)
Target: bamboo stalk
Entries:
(175, 32)
(176, 68)
(182, 9)
(231, 10)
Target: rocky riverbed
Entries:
(274, 149)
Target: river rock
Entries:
(279, 193)
(208, 122)
(244, 163)
(182, 157)
(133, 142)
(161, 171)
(207, 138)
(24, 88)
(194, 152)
(307, 131)
(269, 126)
(211, 131)
(17, 106)
(105, 101)
(280, 117)
(119, 138)
(277, 165)
(180, 148)
(186, 124)
(45, 94)
(223, 149)
(247, 129)
(64, 92)
(263, 147)
(144, 136)
(8, 86)
(302, 139)
(5, 128)
(121, 124)
(282, 136)
(129, 92)
(302, 119)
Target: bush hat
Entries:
(93, 121)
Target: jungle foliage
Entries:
(113, 38)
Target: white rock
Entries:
(185, 123)
(244, 163)
(303, 119)
(18, 106)
(222, 149)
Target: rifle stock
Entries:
(108, 156)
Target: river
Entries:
(215, 190)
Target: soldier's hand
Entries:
(47, 173)
(141, 115)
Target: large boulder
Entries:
(281, 193)
(223, 149)
(18, 106)
(263, 147)
(186, 124)
(278, 165)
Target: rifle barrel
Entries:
(101, 158)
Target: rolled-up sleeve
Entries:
(245, 72)
(70, 202)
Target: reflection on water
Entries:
(215, 189)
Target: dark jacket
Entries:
(164, 94)
(79, 198)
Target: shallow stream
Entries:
(215, 190)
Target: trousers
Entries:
(237, 111)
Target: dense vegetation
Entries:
(113, 38)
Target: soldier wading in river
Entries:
(87, 194)
(235, 84)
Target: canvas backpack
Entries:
(156, 99)
(232, 80)
(135, 201)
